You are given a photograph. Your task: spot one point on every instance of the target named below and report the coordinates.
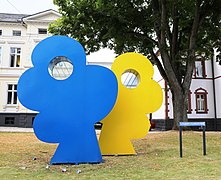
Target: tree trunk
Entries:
(179, 108)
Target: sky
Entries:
(35, 6)
(25, 6)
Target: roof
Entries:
(16, 18)
(27, 16)
(40, 14)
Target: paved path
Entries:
(15, 129)
(19, 129)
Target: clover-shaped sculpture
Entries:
(128, 119)
(68, 106)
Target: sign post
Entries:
(200, 124)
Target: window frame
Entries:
(201, 91)
(9, 119)
(130, 79)
(189, 104)
(15, 63)
(16, 32)
(42, 31)
(203, 69)
(13, 92)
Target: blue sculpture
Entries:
(69, 108)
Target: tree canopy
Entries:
(181, 30)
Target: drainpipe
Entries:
(214, 92)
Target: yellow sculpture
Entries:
(128, 119)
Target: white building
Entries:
(204, 101)
(19, 34)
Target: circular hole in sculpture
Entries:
(130, 78)
(60, 68)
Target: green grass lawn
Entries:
(158, 158)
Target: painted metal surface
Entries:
(68, 108)
(192, 124)
(128, 118)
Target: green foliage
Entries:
(97, 24)
(181, 30)
(125, 25)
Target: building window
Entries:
(33, 118)
(16, 33)
(0, 32)
(201, 101)
(9, 120)
(12, 94)
(15, 56)
(42, 31)
(189, 110)
(200, 71)
(130, 78)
